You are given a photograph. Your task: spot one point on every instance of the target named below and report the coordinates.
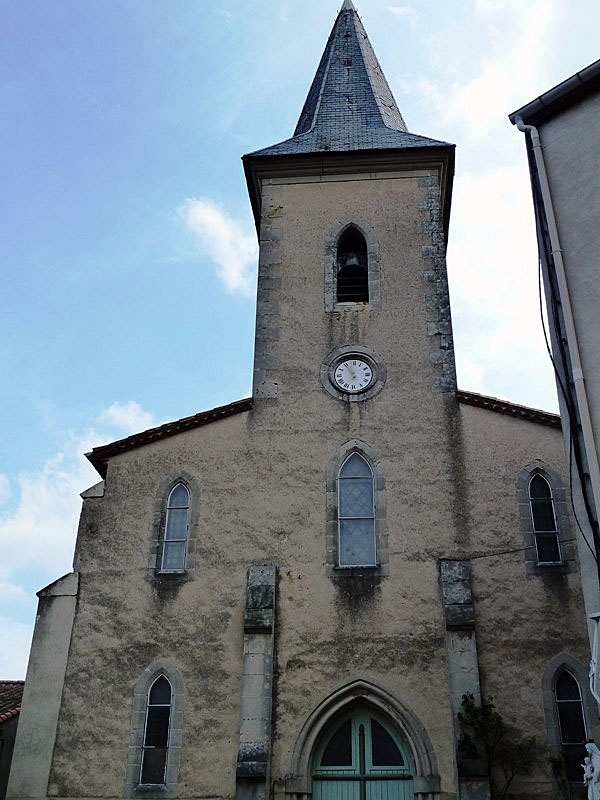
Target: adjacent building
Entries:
(11, 693)
(562, 135)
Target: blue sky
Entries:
(129, 255)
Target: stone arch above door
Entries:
(370, 695)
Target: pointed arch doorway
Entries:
(361, 757)
(421, 779)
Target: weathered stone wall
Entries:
(450, 477)
(523, 620)
(262, 499)
(32, 754)
(332, 630)
(125, 621)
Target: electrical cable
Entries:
(563, 390)
(575, 447)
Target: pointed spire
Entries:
(350, 105)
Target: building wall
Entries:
(262, 498)
(523, 620)
(389, 629)
(571, 151)
(8, 732)
(571, 142)
(259, 494)
(42, 694)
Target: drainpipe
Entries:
(577, 372)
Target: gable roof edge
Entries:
(560, 97)
(510, 409)
(100, 456)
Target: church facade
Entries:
(294, 595)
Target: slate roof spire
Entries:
(350, 105)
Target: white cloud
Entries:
(492, 262)
(400, 11)
(129, 417)
(230, 244)
(39, 531)
(4, 489)
(404, 13)
(489, 59)
(37, 534)
(14, 653)
(508, 49)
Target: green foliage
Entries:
(485, 735)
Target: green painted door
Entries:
(361, 758)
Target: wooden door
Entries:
(361, 758)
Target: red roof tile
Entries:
(511, 409)
(11, 694)
(100, 456)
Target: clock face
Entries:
(353, 374)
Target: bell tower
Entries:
(352, 215)
(354, 396)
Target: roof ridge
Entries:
(99, 456)
(317, 105)
(507, 407)
(376, 75)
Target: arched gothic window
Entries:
(356, 513)
(156, 733)
(360, 756)
(176, 530)
(352, 267)
(544, 520)
(571, 723)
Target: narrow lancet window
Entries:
(176, 530)
(544, 520)
(356, 513)
(571, 722)
(156, 733)
(352, 268)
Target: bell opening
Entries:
(352, 266)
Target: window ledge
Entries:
(169, 572)
(549, 568)
(356, 569)
(169, 575)
(150, 787)
(352, 305)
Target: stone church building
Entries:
(290, 596)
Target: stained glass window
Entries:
(571, 723)
(544, 520)
(156, 734)
(356, 513)
(176, 529)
